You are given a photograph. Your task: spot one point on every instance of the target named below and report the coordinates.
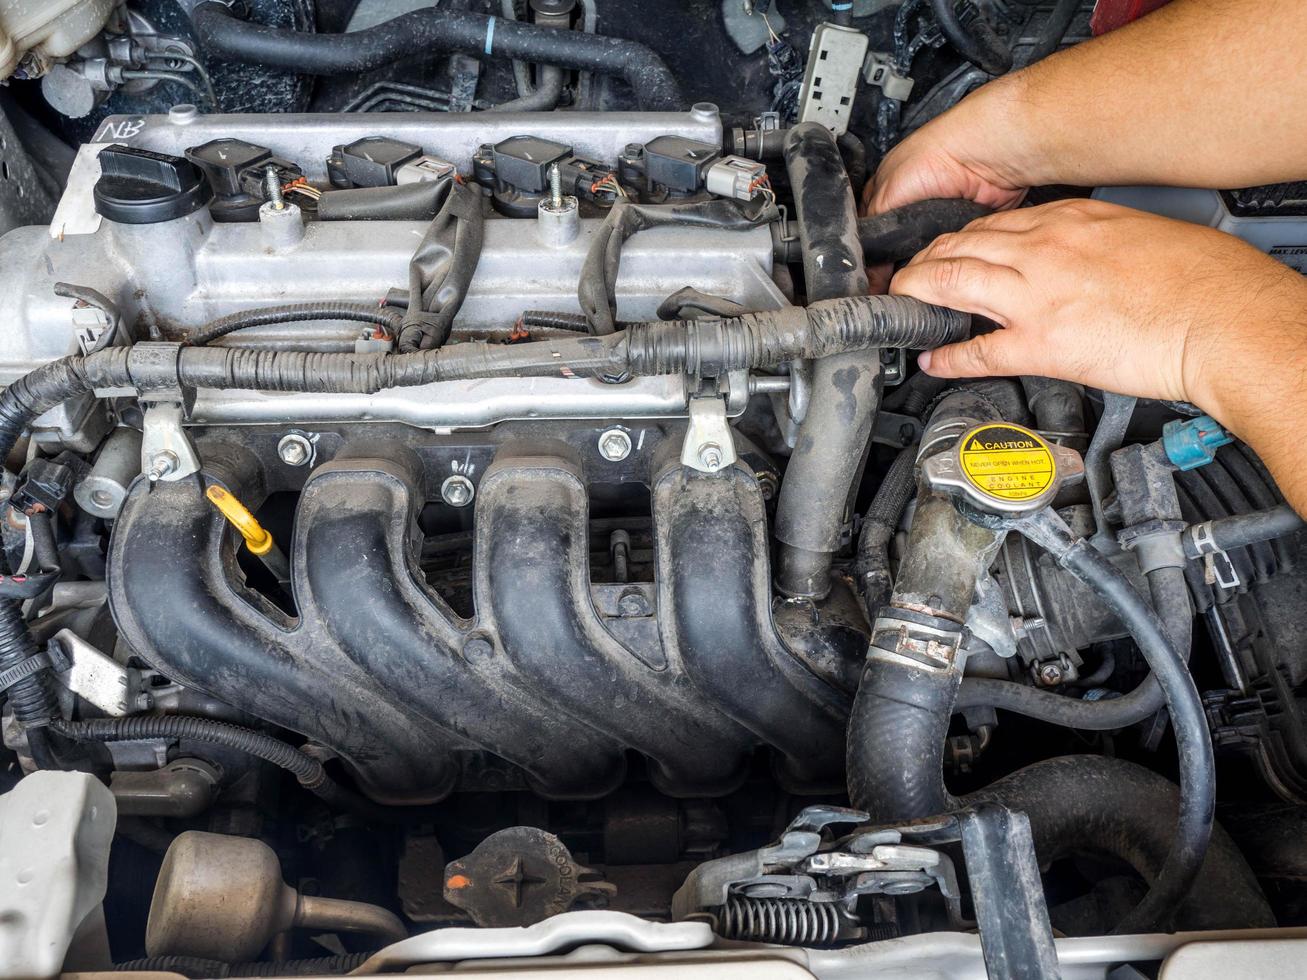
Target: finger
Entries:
(989, 355)
(996, 247)
(1015, 220)
(964, 284)
(878, 277)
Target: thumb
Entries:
(989, 355)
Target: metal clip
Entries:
(709, 446)
(166, 450)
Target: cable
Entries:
(306, 769)
(382, 316)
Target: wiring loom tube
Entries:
(382, 316)
(303, 767)
(429, 31)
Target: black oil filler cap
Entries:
(141, 187)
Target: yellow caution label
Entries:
(1007, 462)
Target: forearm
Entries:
(1254, 382)
(1201, 93)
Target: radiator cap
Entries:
(141, 187)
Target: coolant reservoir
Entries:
(53, 29)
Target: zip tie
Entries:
(24, 669)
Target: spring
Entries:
(778, 920)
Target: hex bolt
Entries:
(295, 449)
(1050, 675)
(632, 604)
(161, 464)
(273, 184)
(555, 187)
(614, 445)
(478, 648)
(457, 491)
(710, 455)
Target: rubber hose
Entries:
(429, 31)
(202, 969)
(1193, 745)
(1170, 596)
(898, 235)
(878, 526)
(835, 434)
(546, 96)
(1055, 28)
(973, 38)
(1241, 530)
(1086, 803)
(382, 316)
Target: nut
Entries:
(614, 445)
(161, 464)
(710, 455)
(457, 491)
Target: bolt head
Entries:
(633, 604)
(614, 445)
(295, 450)
(1050, 675)
(478, 648)
(710, 455)
(457, 491)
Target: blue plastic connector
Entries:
(1191, 443)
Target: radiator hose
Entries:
(430, 31)
(913, 673)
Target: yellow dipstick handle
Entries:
(256, 538)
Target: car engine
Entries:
(465, 508)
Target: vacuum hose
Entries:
(1193, 746)
(430, 31)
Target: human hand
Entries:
(1112, 298)
(968, 152)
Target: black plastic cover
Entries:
(523, 162)
(370, 161)
(236, 171)
(141, 187)
(678, 163)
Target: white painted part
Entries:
(831, 81)
(53, 29)
(55, 828)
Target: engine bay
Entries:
(477, 512)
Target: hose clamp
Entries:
(900, 637)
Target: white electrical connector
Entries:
(735, 177)
(423, 168)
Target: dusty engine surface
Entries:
(444, 535)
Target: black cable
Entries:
(382, 316)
